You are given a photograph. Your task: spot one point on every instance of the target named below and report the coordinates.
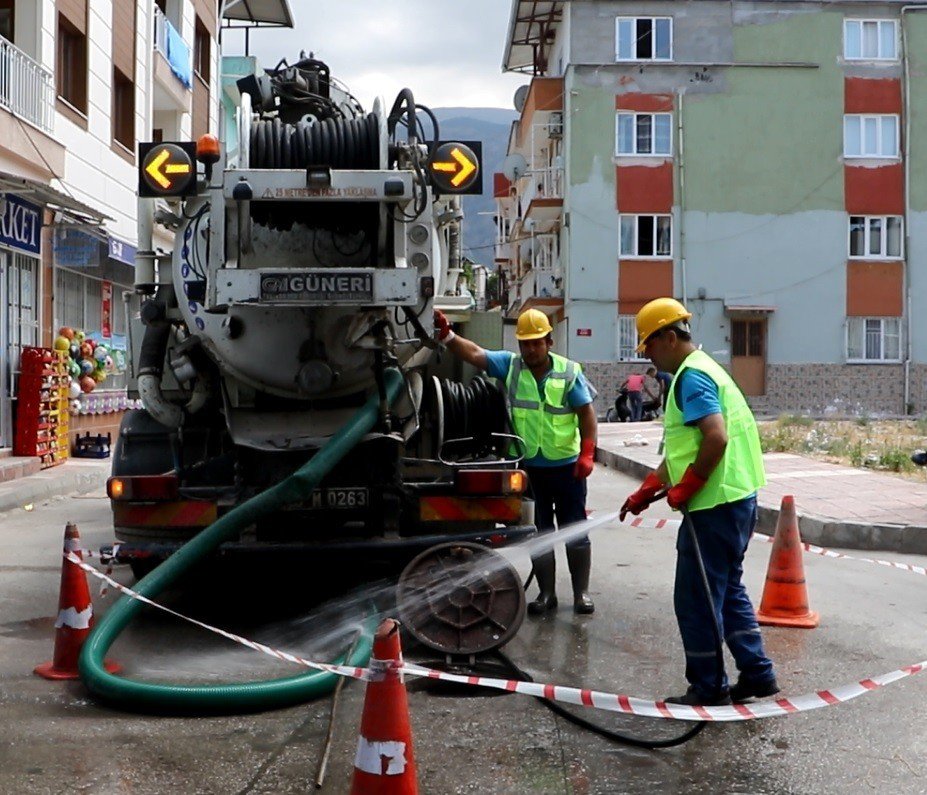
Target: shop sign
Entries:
(75, 248)
(121, 251)
(20, 224)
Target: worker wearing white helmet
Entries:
(551, 404)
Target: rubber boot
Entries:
(546, 572)
(580, 560)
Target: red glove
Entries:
(584, 465)
(641, 498)
(685, 489)
(443, 327)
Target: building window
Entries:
(876, 237)
(123, 110)
(870, 39)
(201, 52)
(644, 39)
(627, 339)
(7, 20)
(646, 235)
(874, 339)
(71, 75)
(644, 134)
(870, 136)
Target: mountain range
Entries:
(491, 126)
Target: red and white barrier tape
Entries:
(673, 524)
(610, 702)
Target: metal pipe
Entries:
(681, 161)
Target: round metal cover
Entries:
(461, 598)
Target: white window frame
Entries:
(653, 34)
(627, 340)
(880, 56)
(867, 237)
(636, 217)
(634, 117)
(863, 326)
(863, 140)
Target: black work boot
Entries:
(745, 689)
(580, 560)
(546, 572)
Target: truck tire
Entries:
(143, 446)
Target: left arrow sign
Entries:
(154, 169)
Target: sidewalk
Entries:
(837, 506)
(76, 475)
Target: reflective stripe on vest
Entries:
(547, 423)
(740, 471)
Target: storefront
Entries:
(93, 272)
(20, 296)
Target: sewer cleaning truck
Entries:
(310, 247)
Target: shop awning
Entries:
(748, 309)
(257, 12)
(40, 193)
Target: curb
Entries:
(73, 477)
(819, 530)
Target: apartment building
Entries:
(81, 84)
(761, 161)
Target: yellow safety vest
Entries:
(546, 423)
(740, 472)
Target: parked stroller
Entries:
(621, 411)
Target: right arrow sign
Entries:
(455, 167)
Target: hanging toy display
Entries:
(88, 362)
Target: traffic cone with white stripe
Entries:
(75, 615)
(384, 763)
(785, 595)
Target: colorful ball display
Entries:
(73, 369)
(86, 350)
(86, 367)
(74, 390)
(61, 344)
(100, 353)
(87, 384)
(98, 376)
(79, 336)
(66, 331)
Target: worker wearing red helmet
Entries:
(551, 405)
(713, 466)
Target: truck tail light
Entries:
(491, 481)
(143, 488)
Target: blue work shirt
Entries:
(497, 366)
(696, 396)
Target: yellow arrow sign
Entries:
(154, 168)
(463, 166)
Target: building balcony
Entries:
(173, 68)
(542, 113)
(27, 89)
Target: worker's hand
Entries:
(443, 327)
(685, 489)
(584, 465)
(642, 498)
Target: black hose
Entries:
(153, 349)
(474, 416)
(332, 143)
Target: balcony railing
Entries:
(168, 42)
(27, 89)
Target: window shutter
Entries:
(124, 35)
(75, 11)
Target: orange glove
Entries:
(443, 327)
(685, 489)
(641, 498)
(584, 465)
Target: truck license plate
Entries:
(339, 498)
(329, 286)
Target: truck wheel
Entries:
(143, 446)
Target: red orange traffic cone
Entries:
(75, 616)
(384, 763)
(785, 595)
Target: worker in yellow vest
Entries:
(713, 465)
(551, 405)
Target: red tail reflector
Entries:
(143, 488)
(491, 481)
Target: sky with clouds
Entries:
(448, 52)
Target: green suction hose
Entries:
(247, 696)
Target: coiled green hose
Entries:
(238, 697)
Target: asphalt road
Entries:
(53, 738)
